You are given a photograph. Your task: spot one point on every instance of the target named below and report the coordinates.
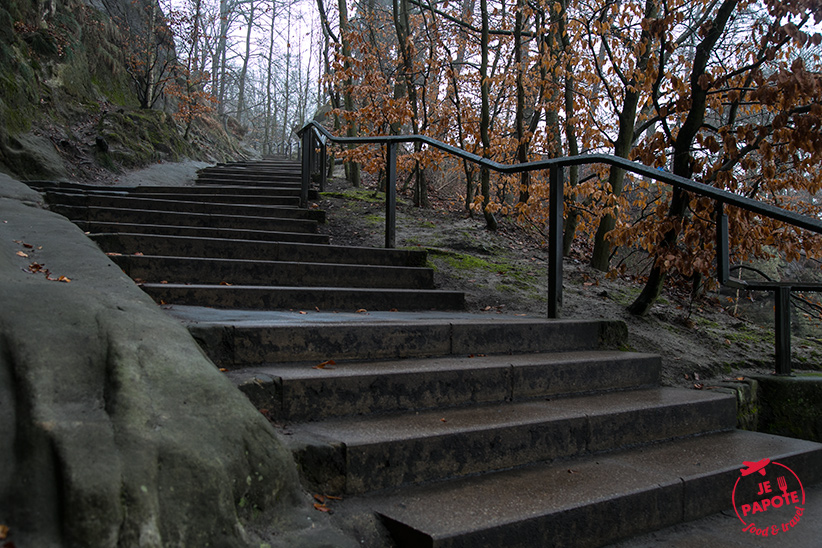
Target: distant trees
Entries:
(249, 62)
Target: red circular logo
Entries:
(768, 498)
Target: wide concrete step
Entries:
(67, 202)
(304, 298)
(591, 502)
(155, 268)
(96, 227)
(174, 218)
(186, 246)
(301, 392)
(240, 338)
(379, 452)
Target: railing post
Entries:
(782, 321)
(390, 194)
(723, 265)
(323, 166)
(555, 222)
(306, 151)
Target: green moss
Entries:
(357, 194)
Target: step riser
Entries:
(150, 268)
(136, 216)
(392, 464)
(265, 251)
(254, 298)
(95, 227)
(239, 346)
(337, 394)
(605, 521)
(274, 197)
(72, 204)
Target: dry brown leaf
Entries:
(332, 497)
(4, 531)
(64, 279)
(303, 312)
(362, 311)
(319, 498)
(325, 365)
(321, 507)
(225, 283)
(139, 254)
(112, 254)
(21, 254)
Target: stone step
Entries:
(377, 452)
(197, 191)
(304, 298)
(224, 248)
(227, 195)
(174, 218)
(301, 392)
(67, 202)
(95, 227)
(235, 339)
(594, 501)
(155, 268)
(224, 180)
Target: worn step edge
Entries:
(209, 270)
(225, 248)
(252, 297)
(380, 452)
(591, 502)
(69, 203)
(235, 340)
(148, 216)
(101, 227)
(302, 392)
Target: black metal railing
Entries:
(315, 138)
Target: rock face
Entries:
(115, 429)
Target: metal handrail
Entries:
(314, 132)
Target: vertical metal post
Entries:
(555, 222)
(782, 326)
(323, 166)
(390, 194)
(306, 150)
(723, 266)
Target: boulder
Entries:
(116, 429)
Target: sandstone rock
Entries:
(116, 430)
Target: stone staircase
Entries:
(454, 429)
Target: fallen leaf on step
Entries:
(317, 308)
(112, 254)
(321, 507)
(223, 370)
(225, 283)
(393, 310)
(4, 531)
(163, 281)
(332, 497)
(325, 365)
(362, 311)
(21, 254)
(139, 254)
(699, 385)
(319, 498)
(64, 279)
(303, 312)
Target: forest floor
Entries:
(718, 337)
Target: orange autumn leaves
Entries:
(35, 267)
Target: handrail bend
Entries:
(313, 134)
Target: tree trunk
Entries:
(352, 169)
(601, 256)
(244, 70)
(682, 153)
(485, 121)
